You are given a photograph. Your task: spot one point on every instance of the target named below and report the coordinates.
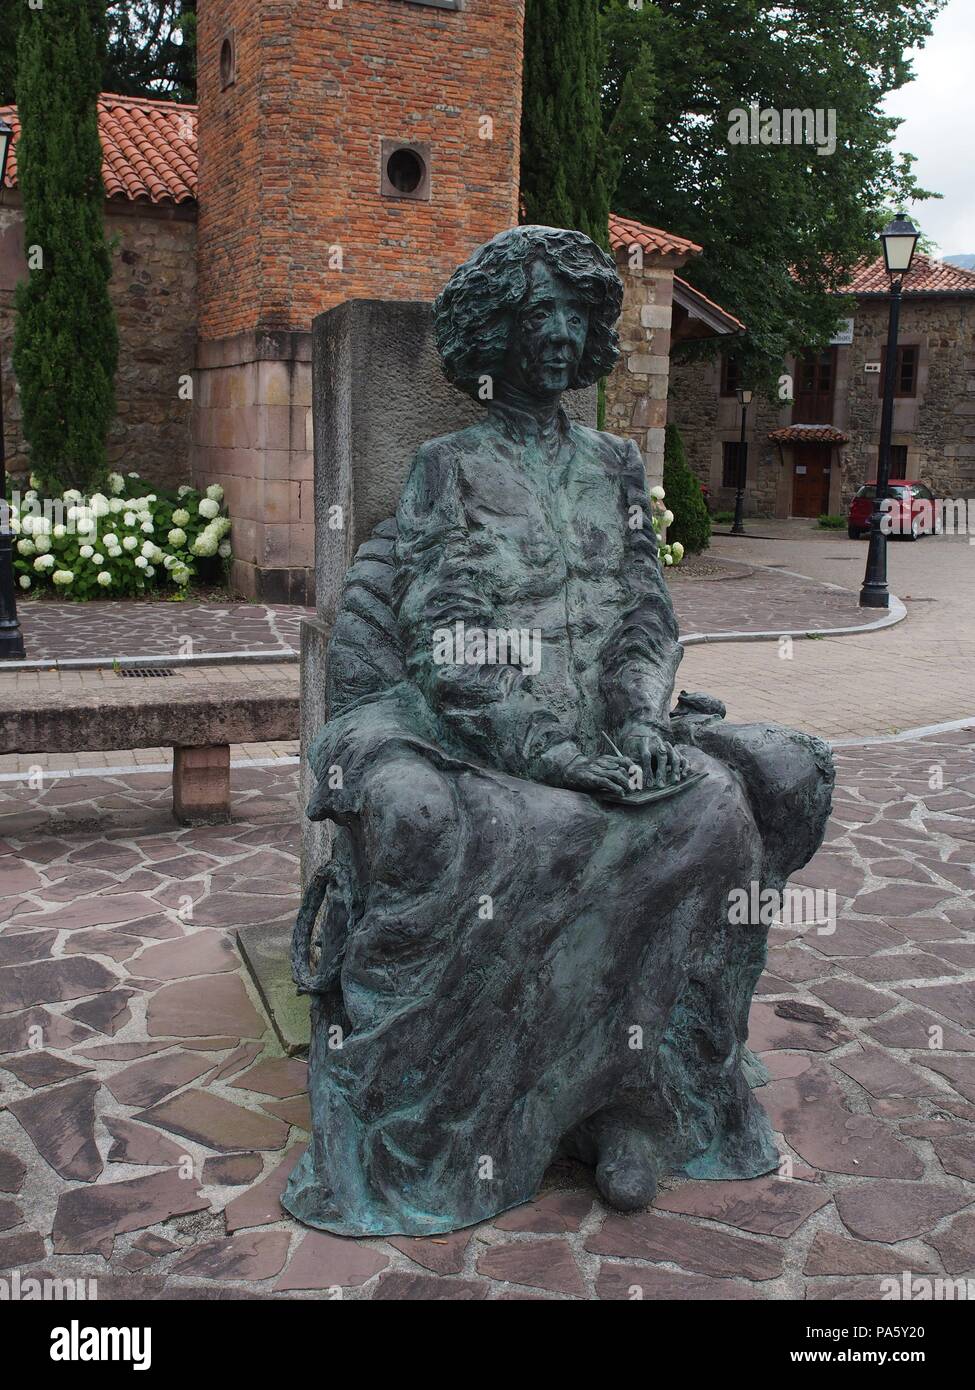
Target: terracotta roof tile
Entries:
(809, 434)
(148, 149)
(624, 231)
(927, 276)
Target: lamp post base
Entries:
(11, 637)
(871, 597)
(12, 645)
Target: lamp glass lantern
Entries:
(6, 140)
(744, 395)
(899, 239)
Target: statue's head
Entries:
(535, 307)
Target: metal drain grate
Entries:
(145, 671)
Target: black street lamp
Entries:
(11, 638)
(738, 527)
(899, 238)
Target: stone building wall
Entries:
(937, 424)
(252, 433)
(706, 420)
(153, 291)
(636, 391)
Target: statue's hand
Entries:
(603, 774)
(661, 762)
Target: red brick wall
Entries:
(290, 154)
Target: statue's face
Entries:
(548, 336)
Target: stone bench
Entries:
(198, 719)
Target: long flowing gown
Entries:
(502, 960)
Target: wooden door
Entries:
(810, 479)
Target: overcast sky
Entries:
(938, 111)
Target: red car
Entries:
(911, 509)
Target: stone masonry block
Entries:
(201, 784)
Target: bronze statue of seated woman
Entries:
(522, 945)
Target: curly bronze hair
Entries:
(474, 311)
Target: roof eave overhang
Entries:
(704, 319)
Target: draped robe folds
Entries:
(513, 959)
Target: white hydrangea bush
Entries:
(122, 541)
(662, 517)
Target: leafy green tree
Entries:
(564, 158)
(781, 224)
(147, 47)
(150, 48)
(65, 338)
(9, 24)
(692, 521)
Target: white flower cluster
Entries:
(210, 541)
(84, 545)
(671, 553)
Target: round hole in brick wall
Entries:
(405, 170)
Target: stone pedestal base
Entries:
(252, 435)
(201, 784)
(266, 953)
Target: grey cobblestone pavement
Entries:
(148, 1117)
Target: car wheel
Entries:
(915, 532)
(853, 532)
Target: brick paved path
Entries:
(148, 1045)
(917, 673)
(738, 598)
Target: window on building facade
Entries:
(730, 376)
(731, 453)
(898, 460)
(228, 61)
(405, 169)
(905, 375)
(814, 384)
(816, 372)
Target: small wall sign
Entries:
(871, 366)
(843, 335)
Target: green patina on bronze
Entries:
(511, 954)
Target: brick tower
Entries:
(349, 149)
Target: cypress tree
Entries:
(564, 161)
(65, 339)
(692, 521)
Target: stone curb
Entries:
(896, 613)
(951, 726)
(273, 656)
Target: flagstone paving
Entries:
(149, 1120)
(68, 631)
